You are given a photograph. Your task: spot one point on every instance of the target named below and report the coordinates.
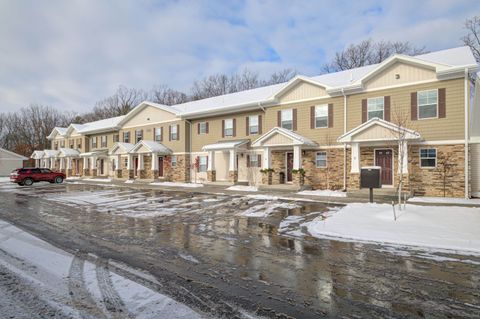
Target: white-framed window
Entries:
(173, 132)
(427, 102)
(321, 159)
(428, 157)
(138, 135)
(375, 107)
(202, 127)
(253, 160)
(174, 160)
(94, 142)
(126, 137)
(158, 134)
(79, 143)
(125, 162)
(103, 141)
(202, 164)
(321, 116)
(287, 119)
(228, 127)
(62, 143)
(116, 138)
(253, 125)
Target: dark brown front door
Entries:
(289, 166)
(135, 168)
(383, 158)
(101, 167)
(160, 166)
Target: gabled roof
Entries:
(294, 81)
(153, 147)
(13, 154)
(57, 130)
(145, 104)
(49, 153)
(225, 145)
(123, 148)
(37, 154)
(296, 139)
(100, 126)
(396, 131)
(68, 152)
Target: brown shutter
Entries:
(442, 110)
(223, 128)
(198, 128)
(206, 128)
(169, 132)
(259, 124)
(312, 117)
(330, 115)
(248, 160)
(161, 134)
(234, 123)
(294, 116)
(386, 108)
(413, 106)
(259, 160)
(247, 126)
(279, 118)
(364, 110)
(178, 132)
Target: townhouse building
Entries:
(414, 117)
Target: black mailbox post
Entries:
(371, 177)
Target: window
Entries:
(228, 127)
(321, 116)
(62, 143)
(126, 137)
(253, 160)
(116, 138)
(375, 107)
(125, 162)
(94, 142)
(253, 124)
(287, 119)
(321, 159)
(173, 132)
(55, 147)
(79, 143)
(72, 143)
(103, 141)
(202, 164)
(427, 104)
(428, 157)
(202, 128)
(138, 135)
(158, 134)
(174, 160)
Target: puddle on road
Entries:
(259, 246)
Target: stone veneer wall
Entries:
(147, 172)
(330, 177)
(278, 164)
(181, 172)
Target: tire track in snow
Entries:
(82, 299)
(112, 301)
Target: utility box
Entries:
(371, 177)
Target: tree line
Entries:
(27, 129)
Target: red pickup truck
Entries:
(28, 176)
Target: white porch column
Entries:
(355, 158)
(297, 157)
(69, 163)
(403, 160)
(154, 162)
(52, 162)
(267, 158)
(118, 164)
(233, 160)
(62, 166)
(85, 163)
(140, 162)
(130, 162)
(94, 163)
(211, 161)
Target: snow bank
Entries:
(439, 227)
(72, 178)
(445, 200)
(242, 188)
(325, 193)
(105, 180)
(4, 179)
(173, 184)
(129, 181)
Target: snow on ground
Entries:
(129, 181)
(263, 197)
(435, 227)
(476, 194)
(105, 180)
(324, 192)
(243, 188)
(174, 184)
(266, 208)
(445, 200)
(71, 178)
(4, 179)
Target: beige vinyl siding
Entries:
(407, 74)
(449, 128)
(303, 91)
(99, 141)
(323, 136)
(215, 129)
(149, 115)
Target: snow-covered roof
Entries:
(121, 148)
(143, 105)
(37, 154)
(12, 154)
(99, 126)
(95, 153)
(68, 152)
(227, 145)
(152, 146)
(49, 153)
(296, 139)
(57, 130)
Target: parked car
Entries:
(28, 176)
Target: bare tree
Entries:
(282, 76)
(472, 38)
(167, 96)
(369, 52)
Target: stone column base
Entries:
(211, 176)
(86, 172)
(119, 173)
(142, 173)
(69, 172)
(233, 176)
(130, 174)
(298, 179)
(267, 178)
(155, 174)
(354, 181)
(94, 172)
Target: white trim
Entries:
(383, 110)
(393, 163)
(294, 81)
(440, 142)
(315, 116)
(148, 124)
(418, 106)
(303, 100)
(420, 157)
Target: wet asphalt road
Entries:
(203, 253)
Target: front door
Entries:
(160, 166)
(289, 167)
(101, 166)
(135, 167)
(383, 158)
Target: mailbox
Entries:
(371, 177)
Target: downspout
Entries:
(344, 145)
(189, 143)
(467, 125)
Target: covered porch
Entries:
(70, 162)
(38, 157)
(95, 163)
(119, 156)
(149, 160)
(49, 160)
(282, 156)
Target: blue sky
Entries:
(70, 54)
